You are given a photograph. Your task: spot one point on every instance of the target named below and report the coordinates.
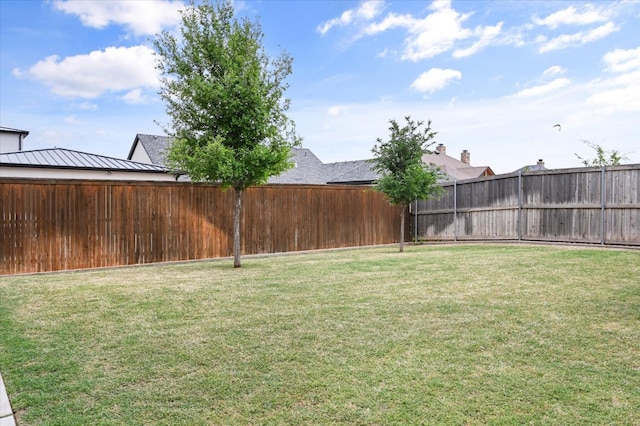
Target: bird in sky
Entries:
(558, 126)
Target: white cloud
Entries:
(390, 21)
(88, 76)
(572, 40)
(434, 34)
(435, 79)
(336, 110)
(366, 11)
(71, 119)
(139, 17)
(370, 9)
(344, 19)
(621, 92)
(572, 16)
(487, 36)
(86, 106)
(135, 96)
(621, 60)
(544, 88)
(540, 39)
(438, 32)
(383, 53)
(617, 95)
(553, 71)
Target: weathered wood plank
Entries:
(554, 205)
(52, 225)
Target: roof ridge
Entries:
(75, 151)
(10, 129)
(70, 158)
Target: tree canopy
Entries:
(603, 157)
(405, 178)
(225, 99)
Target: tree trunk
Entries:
(402, 229)
(237, 210)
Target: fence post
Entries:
(602, 205)
(455, 210)
(415, 222)
(519, 205)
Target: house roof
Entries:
(352, 172)
(69, 159)
(10, 130)
(155, 146)
(455, 169)
(531, 168)
(310, 170)
(307, 170)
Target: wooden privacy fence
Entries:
(58, 225)
(587, 205)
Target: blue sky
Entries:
(494, 77)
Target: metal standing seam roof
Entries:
(70, 159)
(10, 130)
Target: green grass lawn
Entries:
(450, 334)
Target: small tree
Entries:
(603, 158)
(224, 96)
(405, 178)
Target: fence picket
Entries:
(589, 205)
(52, 225)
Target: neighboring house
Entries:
(533, 167)
(150, 149)
(59, 163)
(454, 169)
(358, 172)
(11, 140)
(309, 170)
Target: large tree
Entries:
(225, 99)
(405, 178)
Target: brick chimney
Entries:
(441, 149)
(541, 162)
(465, 157)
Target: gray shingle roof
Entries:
(309, 170)
(531, 168)
(69, 159)
(358, 172)
(156, 147)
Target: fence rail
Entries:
(587, 205)
(59, 225)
